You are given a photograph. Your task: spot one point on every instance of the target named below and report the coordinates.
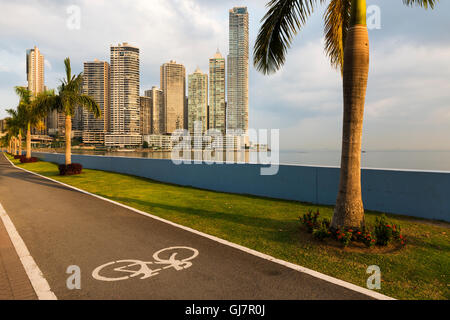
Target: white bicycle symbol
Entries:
(144, 270)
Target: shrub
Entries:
(310, 220)
(364, 236)
(323, 231)
(17, 157)
(344, 237)
(70, 170)
(384, 232)
(23, 159)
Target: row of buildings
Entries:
(219, 101)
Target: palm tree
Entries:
(32, 112)
(5, 141)
(347, 46)
(69, 97)
(15, 125)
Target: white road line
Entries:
(290, 265)
(40, 285)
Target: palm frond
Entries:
(89, 104)
(45, 103)
(12, 113)
(337, 22)
(68, 69)
(23, 93)
(282, 21)
(421, 3)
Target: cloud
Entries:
(48, 65)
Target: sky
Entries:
(408, 95)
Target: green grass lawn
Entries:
(418, 271)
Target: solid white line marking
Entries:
(40, 285)
(290, 265)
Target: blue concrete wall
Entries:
(414, 193)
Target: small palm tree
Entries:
(32, 112)
(15, 125)
(6, 141)
(68, 98)
(347, 46)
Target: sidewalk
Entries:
(14, 282)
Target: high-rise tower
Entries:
(238, 70)
(173, 85)
(125, 103)
(35, 71)
(35, 78)
(96, 85)
(197, 100)
(146, 115)
(157, 110)
(217, 111)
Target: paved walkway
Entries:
(14, 282)
(118, 252)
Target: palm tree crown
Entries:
(70, 97)
(285, 18)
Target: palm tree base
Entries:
(70, 169)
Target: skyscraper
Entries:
(238, 70)
(197, 100)
(217, 111)
(157, 106)
(146, 115)
(35, 78)
(35, 71)
(124, 117)
(173, 85)
(96, 85)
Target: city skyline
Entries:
(407, 121)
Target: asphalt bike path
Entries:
(124, 255)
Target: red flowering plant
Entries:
(311, 220)
(383, 233)
(344, 237)
(386, 232)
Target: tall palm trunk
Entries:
(68, 140)
(349, 210)
(20, 144)
(15, 145)
(29, 141)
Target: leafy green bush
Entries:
(386, 232)
(310, 220)
(322, 232)
(344, 237)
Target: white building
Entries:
(238, 70)
(124, 78)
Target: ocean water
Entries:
(410, 160)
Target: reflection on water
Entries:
(414, 160)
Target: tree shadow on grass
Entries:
(281, 231)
